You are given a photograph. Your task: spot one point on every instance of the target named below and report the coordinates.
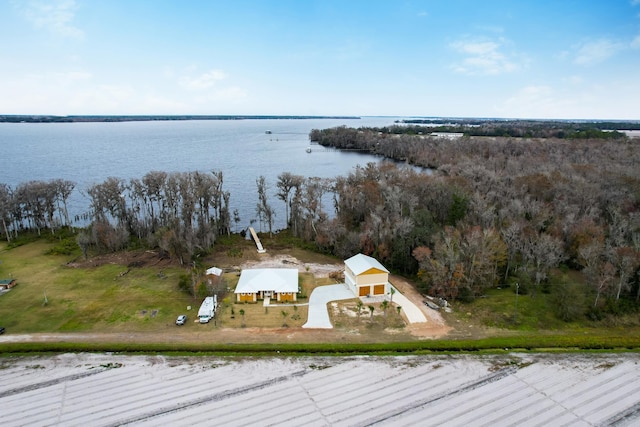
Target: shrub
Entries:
(184, 283)
(568, 301)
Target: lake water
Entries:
(88, 153)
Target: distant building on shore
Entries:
(447, 135)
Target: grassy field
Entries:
(54, 297)
(56, 294)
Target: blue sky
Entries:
(563, 59)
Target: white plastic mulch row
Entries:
(105, 390)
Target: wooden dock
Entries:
(261, 250)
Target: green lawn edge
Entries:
(556, 343)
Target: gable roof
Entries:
(361, 263)
(268, 279)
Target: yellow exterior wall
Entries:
(286, 296)
(246, 298)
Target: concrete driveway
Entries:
(318, 314)
(413, 312)
(322, 295)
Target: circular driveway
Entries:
(318, 314)
(322, 295)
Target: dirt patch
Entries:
(131, 259)
(436, 327)
(289, 261)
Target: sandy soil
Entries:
(284, 260)
(508, 389)
(436, 326)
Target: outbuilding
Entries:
(280, 284)
(365, 276)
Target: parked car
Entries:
(1, 330)
(181, 319)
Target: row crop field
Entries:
(462, 390)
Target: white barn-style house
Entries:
(365, 275)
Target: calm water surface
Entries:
(88, 153)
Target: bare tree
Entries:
(287, 182)
(626, 260)
(6, 207)
(263, 209)
(541, 252)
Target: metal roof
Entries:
(361, 263)
(268, 279)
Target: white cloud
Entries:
(203, 81)
(482, 57)
(232, 93)
(594, 52)
(582, 101)
(532, 95)
(536, 102)
(575, 80)
(55, 16)
(635, 43)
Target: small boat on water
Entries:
(268, 132)
(308, 149)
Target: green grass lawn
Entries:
(85, 299)
(104, 299)
(497, 309)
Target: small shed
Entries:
(213, 276)
(365, 276)
(7, 283)
(280, 284)
(214, 271)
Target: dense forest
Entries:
(519, 128)
(469, 214)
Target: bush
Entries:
(67, 246)
(465, 295)
(568, 301)
(184, 283)
(201, 290)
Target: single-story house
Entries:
(7, 283)
(366, 276)
(280, 284)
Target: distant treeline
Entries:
(74, 119)
(518, 128)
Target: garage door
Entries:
(378, 289)
(364, 291)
